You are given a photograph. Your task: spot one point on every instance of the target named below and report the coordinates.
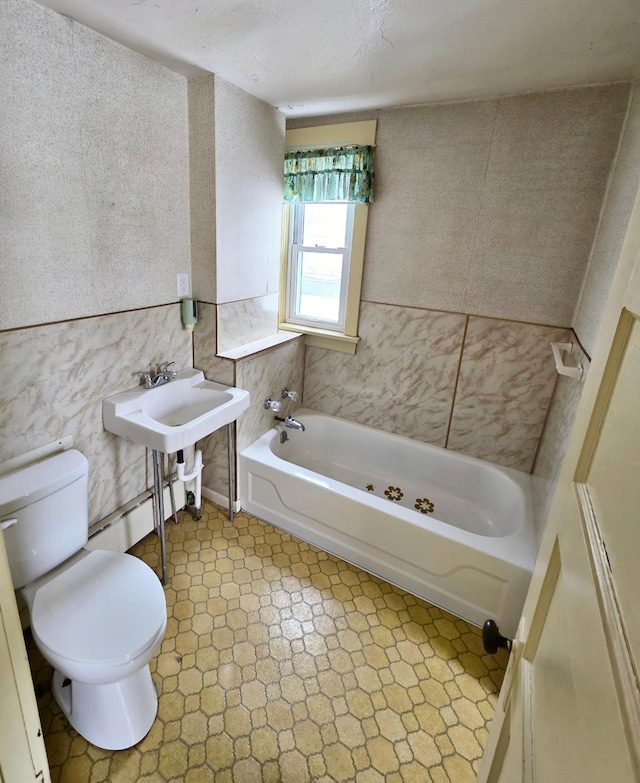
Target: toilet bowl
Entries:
(98, 622)
(97, 617)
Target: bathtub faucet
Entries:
(291, 422)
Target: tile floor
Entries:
(282, 664)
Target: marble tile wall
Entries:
(54, 379)
(246, 320)
(265, 375)
(555, 438)
(477, 385)
(402, 377)
(261, 375)
(507, 377)
(214, 448)
(204, 347)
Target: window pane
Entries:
(325, 225)
(319, 285)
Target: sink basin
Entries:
(176, 415)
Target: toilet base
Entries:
(114, 716)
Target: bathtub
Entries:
(448, 528)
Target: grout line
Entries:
(455, 387)
(544, 424)
(88, 317)
(468, 315)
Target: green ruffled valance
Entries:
(335, 174)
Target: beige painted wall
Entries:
(99, 220)
(615, 216)
(483, 208)
(94, 226)
(94, 213)
(202, 187)
(489, 207)
(236, 153)
(249, 154)
(112, 229)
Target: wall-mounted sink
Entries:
(175, 415)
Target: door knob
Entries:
(492, 639)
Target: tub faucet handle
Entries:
(273, 405)
(291, 395)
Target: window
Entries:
(323, 238)
(318, 264)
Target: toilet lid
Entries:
(106, 608)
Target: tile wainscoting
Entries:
(261, 374)
(555, 438)
(481, 386)
(56, 375)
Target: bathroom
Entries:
(113, 186)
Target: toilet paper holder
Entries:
(562, 368)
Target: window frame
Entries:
(296, 248)
(345, 339)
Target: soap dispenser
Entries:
(189, 310)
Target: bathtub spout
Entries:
(291, 422)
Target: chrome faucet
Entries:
(291, 422)
(163, 375)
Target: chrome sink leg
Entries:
(231, 459)
(158, 505)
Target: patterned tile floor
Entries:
(282, 664)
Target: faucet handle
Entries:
(273, 405)
(291, 395)
(145, 379)
(163, 369)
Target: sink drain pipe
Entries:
(196, 474)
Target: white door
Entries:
(23, 758)
(569, 709)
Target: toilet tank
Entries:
(50, 502)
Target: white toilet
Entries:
(97, 617)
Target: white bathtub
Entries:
(451, 529)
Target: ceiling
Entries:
(310, 57)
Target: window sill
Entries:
(259, 346)
(323, 338)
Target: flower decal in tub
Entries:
(370, 487)
(394, 493)
(424, 506)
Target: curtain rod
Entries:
(303, 147)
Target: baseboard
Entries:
(126, 529)
(221, 500)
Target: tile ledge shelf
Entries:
(259, 346)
